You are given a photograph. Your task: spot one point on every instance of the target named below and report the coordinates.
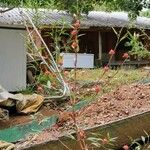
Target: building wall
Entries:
(12, 59)
(108, 42)
(146, 40)
(89, 43)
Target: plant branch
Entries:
(3, 11)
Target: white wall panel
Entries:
(12, 59)
(83, 60)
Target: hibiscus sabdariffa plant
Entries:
(86, 142)
(81, 136)
(75, 47)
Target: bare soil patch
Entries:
(123, 102)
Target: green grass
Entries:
(28, 90)
(86, 76)
(123, 77)
(94, 74)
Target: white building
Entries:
(12, 54)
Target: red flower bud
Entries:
(106, 68)
(82, 134)
(47, 73)
(56, 126)
(111, 52)
(125, 55)
(97, 89)
(74, 45)
(74, 32)
(65, 73)
(105, 141)
(126, 147)
(40, 89)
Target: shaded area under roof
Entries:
(93, 19)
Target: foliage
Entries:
(61, 39)
(134, 7)
(145, 13)
(98, 141)
(47, 83)
(142, 143)
(120, 36)
(76, 6)
(123, 77)
(137, 48)
(27, 3)
(84, 6)
(29, 90)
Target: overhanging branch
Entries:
(3, 11)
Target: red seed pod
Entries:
(74, 32)
(47, 73)
(106, 68)
(56, 126)
(40, 89)
(105, 141)
(74, 45)
(66, 73)
(125, 55)
(82, 134)
(111, 52)
(126, 147)
(97, 89)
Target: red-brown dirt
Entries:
(123, 102)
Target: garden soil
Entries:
(123, 102)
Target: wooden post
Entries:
(100, 45)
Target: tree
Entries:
(145, 13)
(134, 7)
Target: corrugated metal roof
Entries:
(93, 19)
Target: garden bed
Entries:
(117, 107)
(122, 99)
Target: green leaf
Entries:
(113, 139)
(143, 138)
(70, 136)
(93, 139)
(96, 144)
(49, 84)
(96, 134)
